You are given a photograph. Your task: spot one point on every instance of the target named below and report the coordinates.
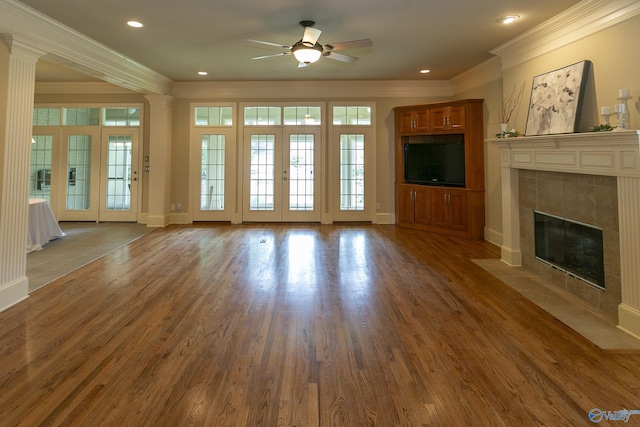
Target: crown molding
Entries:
(312, 89)
(486, 72)
(582, 20)
(72, 49)
(79, 88)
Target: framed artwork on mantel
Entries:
(556, 100)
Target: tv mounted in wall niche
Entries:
(434, 160)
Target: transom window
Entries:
(121, 116)
(273, 116)
(302, 116)
(352, 115)
(86, 116)
(262, 116)
(46, 117)
(213, 116)
(81, 116)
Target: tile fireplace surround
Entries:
(611, 154)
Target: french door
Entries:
(215, 153)
(282, 174)
(99, 179)
(353, 182)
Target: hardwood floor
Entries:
(299, 325)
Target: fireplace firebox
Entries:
(573, 247)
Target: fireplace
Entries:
(568, 203)
(533, 169)
(570, 246)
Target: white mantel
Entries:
(595, 153)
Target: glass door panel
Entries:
(351, 172)
(302, 183)
(262, 168)
(263, 175)
(80, 159)
(212, 162)
(213, 184)
(119, 175)
(353, 184)
(41, 167)
(281, 179)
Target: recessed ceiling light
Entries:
(135, 24)
(202, 73)
(509, 19)
(425, 71)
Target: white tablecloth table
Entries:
(42, 224)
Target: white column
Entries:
(14, 180)
(160, 160)
(510, 250)
(629, 219)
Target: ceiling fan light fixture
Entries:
(305, 54)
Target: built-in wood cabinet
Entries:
(447, 118)
(416, 204)
(414, 121)
(456, 210)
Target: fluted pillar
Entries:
(629, 219)
(159, 160)
(15, 145)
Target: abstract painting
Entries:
(556, 100)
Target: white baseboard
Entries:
(385, 218)
(14, 292)
(629, 320)
(493, 236)
(180, 218)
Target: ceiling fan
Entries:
(307, 50)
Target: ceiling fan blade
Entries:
(310, 36)
(353, 44)
(272, 56)
(340, 56)
(269, 43)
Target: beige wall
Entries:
(615, 64)
(615, 58)
(492, 94)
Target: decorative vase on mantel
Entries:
(504, 127)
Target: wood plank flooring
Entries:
(299, 325)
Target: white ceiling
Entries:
(182, 37)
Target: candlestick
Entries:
(606, 113)
(622, 110)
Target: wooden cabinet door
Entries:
(438, 118)
(422, 205)
(405, 204)
(414, 121)
(447, 118)
(406, 121)
(439, 215)
(458, 211)
(421, 120)
(456, 117)
(449, 209)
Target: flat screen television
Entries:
(435, 161)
